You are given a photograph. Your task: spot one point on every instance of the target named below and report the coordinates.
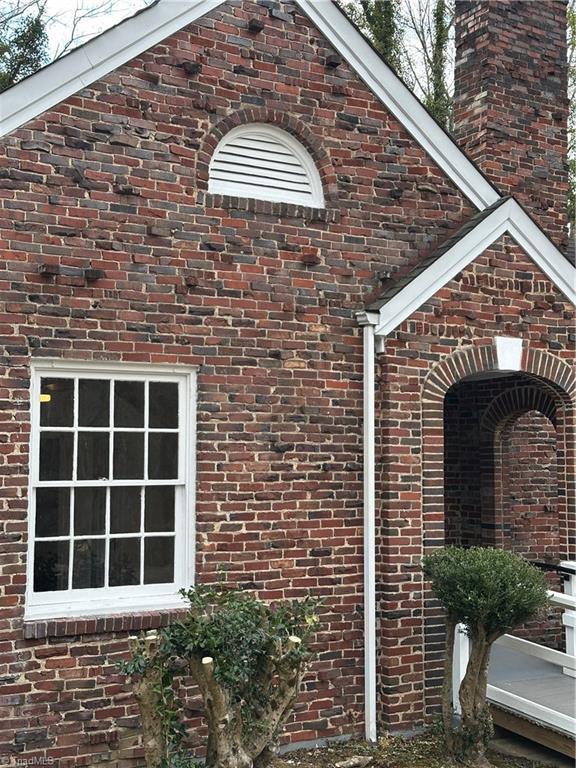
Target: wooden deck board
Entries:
(533, 679)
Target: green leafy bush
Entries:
(489, 591)
(246, 656)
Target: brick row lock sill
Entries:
(94, 625)
(330, 214)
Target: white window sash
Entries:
(107, 600)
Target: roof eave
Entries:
(508, 218)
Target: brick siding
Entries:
(112, 249)
(448, 339)
(511, 101)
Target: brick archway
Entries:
(557, 382)
(547, 385)
(511, 404)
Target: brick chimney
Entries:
(511, 103)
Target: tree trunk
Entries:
(228, 744)
(470, 741)
(147, 694)
(264, 759)
(225, 748)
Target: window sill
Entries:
(95, 625)
(269, 207)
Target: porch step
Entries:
(544, 735)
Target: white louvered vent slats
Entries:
(250, 173)
(251, 154)
(265, 163)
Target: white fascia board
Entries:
(429, 282)
(509, 218)
(400, 101)
(96, 58)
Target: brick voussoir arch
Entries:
(280, 119)
(457, 366)
(482, 358)
(513, 403)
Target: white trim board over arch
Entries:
(113, 48)
(507, 218)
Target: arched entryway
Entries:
(497, 466)
(500, 464)
(501, 473)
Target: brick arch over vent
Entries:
(283, 120)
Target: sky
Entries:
(107, 13)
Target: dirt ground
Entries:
(391, 752)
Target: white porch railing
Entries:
(567, 661)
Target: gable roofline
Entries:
(505, 217)
(96, 58)
(381, 79)
(116, 46)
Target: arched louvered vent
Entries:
(265, 163)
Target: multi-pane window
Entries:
(110, 488)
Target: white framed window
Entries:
(264, 162)
(111, 515)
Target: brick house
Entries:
(260, 312)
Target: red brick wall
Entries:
(528, 509)
(260, 296)
(530, 486)
(511, 101)
(448, 339)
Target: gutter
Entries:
(368, 321)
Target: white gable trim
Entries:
(118, 45)
(96, 58)
(400, 101)
(509, 218)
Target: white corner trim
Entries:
(400, 101)
(508, 353)
(96, 59)
(509, 218)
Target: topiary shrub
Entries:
(246, 656)
(490, 591)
